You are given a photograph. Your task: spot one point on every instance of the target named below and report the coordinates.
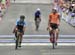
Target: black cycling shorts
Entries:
(53, 26)
(36, 17)
(20, 29)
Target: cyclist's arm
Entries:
(49, 21)
(16, 25)
(15, 28)
(35, 17)
(59, 17)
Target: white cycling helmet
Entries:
(55, 8)
(38, 9)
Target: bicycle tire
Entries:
(53, 42)
(53, 45)
(17, 40)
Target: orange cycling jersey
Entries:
(54, 18)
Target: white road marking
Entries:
(64, 53)
(37, 35)
(37, 44)
(33, 1)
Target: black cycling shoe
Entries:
(19, 45)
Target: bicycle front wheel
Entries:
(53, 45)
(17, 40)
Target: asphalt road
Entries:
(37, 50)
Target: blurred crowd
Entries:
(67, 8)
(4, 4)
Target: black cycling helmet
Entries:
(22, 17)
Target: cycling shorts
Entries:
(20, 29)
(53, 26)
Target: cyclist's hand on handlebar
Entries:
(49, 28)
(15, 30)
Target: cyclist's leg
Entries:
(50, 32)
(15, 31)
(37, 25)
(38, 20)
(15, 34)
(51, 36)
(21, 36)
(56, 31)
(57, 34)
(35, 22)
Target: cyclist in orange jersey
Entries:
(53, 23)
